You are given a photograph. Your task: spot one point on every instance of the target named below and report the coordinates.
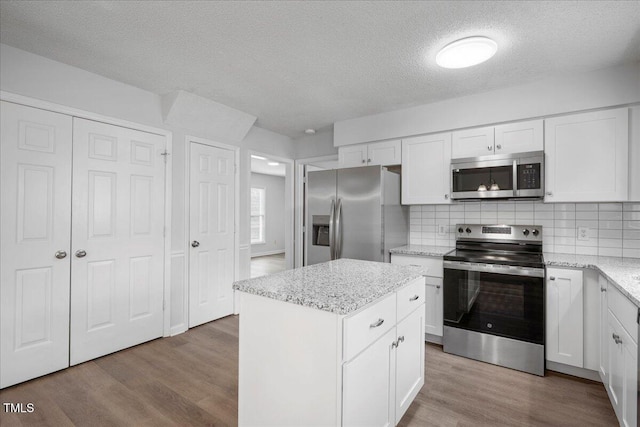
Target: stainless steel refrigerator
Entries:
(354, 213)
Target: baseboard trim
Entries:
(573, 370)
(276, 252)
(435, 339)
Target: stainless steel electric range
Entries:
(494, 296)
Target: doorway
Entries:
(271, 217)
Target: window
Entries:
(257, 215)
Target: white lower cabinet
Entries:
(564, 317)
(603, 366)
(380, 383)
(621, 347)
(433, 291)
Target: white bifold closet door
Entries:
(211, 222)
(117, 260)
(35, 212)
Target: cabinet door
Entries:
(630, 398)
(425, 169)
(384, 153)
(615, 386)
(409, 360)
(603, 368)
(35, 153)
(368, 389)
(519, 137)
(587, 157)
(352, 155)
(472, 142)
(565, 327)
(433, 306)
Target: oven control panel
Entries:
(532, 233)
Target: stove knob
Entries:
(535, 232)
(468, 230)
(460, 230)
(525, 232)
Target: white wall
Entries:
(568, 93)
(24, 73)
(274, 214)
(317, 145)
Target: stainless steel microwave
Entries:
(503, 176)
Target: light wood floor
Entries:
(192, 379)
(268, 264)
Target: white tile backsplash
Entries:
(613, 229)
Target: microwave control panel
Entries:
(529, 176)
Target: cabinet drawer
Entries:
(625, 311)
(432, 266)
(410, 297)
(368, 325)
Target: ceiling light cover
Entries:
(273, 163)
(466, 52)
(253, 156)
(310, 131)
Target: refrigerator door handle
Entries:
(338, 237)
(332, 250)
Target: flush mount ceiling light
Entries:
(253, 156)
(273, 163)
(466, 52)
(310, 131)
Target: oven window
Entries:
(497, 304)
(472, 179)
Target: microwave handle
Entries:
(516, 190)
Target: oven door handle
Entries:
(494, 268)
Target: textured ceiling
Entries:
(307, 64)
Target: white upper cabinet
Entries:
(352, 155)
(472, 142)
(425, 169)
(376, 153)
(587, 157)
(511, 138)
(519, 137)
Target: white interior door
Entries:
(35, 214)
(118, 222)
(211, 258)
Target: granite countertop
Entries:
(340, 286)
(422, 250)
(624, 273)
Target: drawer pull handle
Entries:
(394, 344)
(603, 289)
(413, 298)
(437, 286)
(376, 324)
(400, 339)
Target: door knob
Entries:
(81, 253)
(61, 254)
(195, 243)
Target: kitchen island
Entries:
(337, 343)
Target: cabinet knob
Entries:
(81, 253)
(368, 160)
(552, 278)
(413, 298)
(489, 147)
(437, 286)
(549, 193)
(364, 161)
(499, 147)
(61, 254)
(446, 196)
(376, 324)
(400, 339)
(394, 344)
(603, 289)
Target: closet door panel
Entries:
(118, 239)
(35, 157)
